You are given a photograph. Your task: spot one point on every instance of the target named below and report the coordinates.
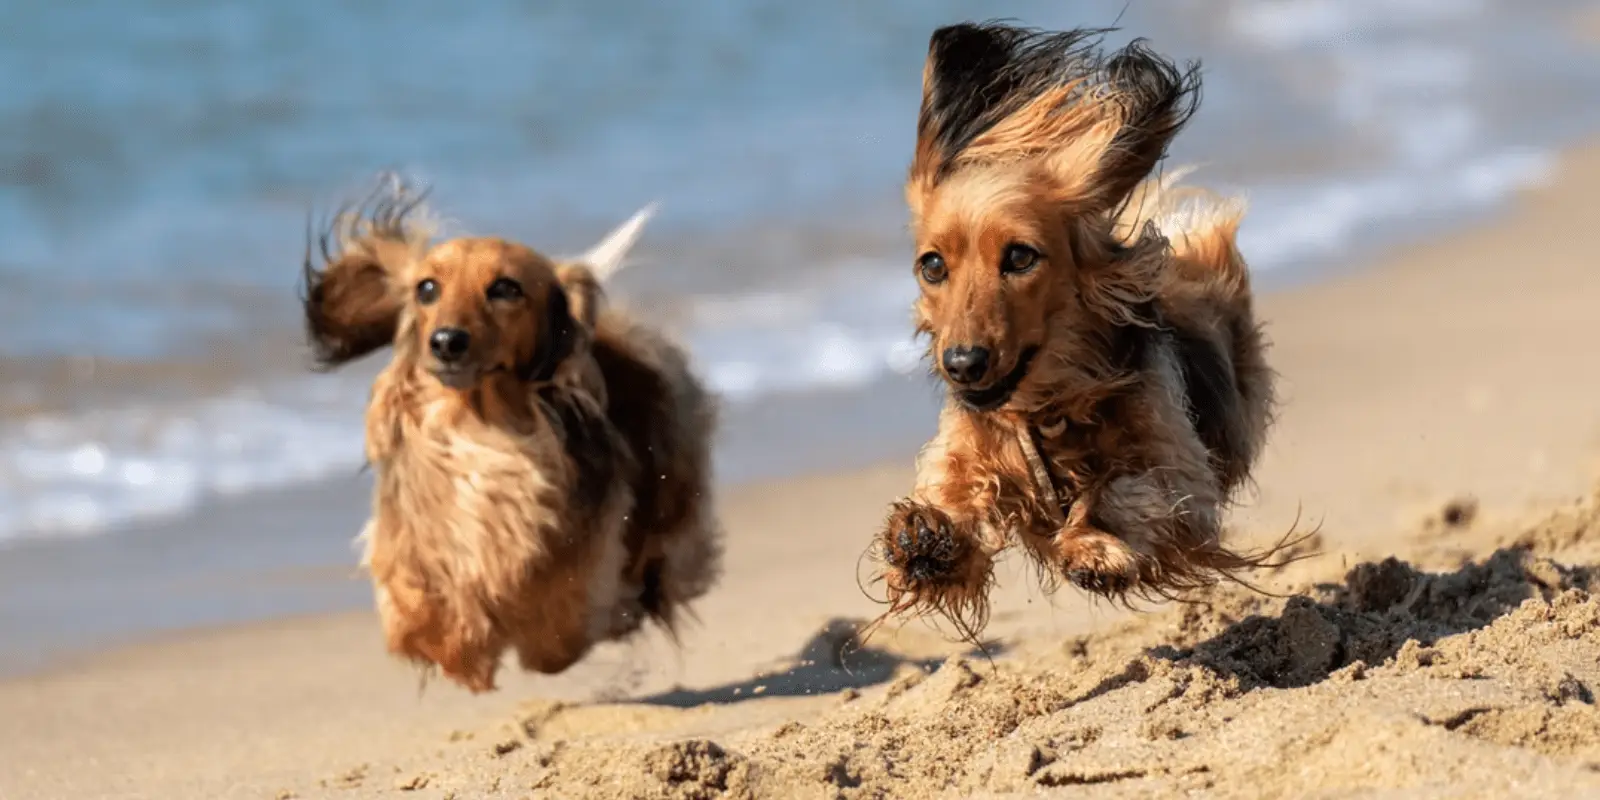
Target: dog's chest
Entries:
(1070, 453)
(467, 482)
(1078, 457)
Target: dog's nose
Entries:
(966, 364)
(449, 344)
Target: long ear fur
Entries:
(352, 302)
(560, 338)
(1096, 123)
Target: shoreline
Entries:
(192, 397)
(310, 569)
(319, 510)
(1443, 368)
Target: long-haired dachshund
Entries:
(542, 462)
(1107, 386)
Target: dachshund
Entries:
(1107, 390)
(542, 461)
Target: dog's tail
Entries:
(1201, 226)
(585, 276)
(607, 258)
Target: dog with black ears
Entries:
(543, 462)
(1108, 390)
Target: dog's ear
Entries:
(1149, 99)
(352, 307)
(558, 337)
(561, 328)
(352, 292)
(583, 290)
(967, 80)
(995, 94)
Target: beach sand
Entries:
(1441, 406)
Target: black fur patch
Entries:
(1213, 396)
(653, 592)
(641, 405)
(1131, 344)
(637, 396)
(590, 442)
(560, 333)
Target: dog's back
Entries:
(667, 418)
(1206, 302)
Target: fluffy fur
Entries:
(1126, 394)
(544, 489)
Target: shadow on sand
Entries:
(832, 660)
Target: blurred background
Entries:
(158, 159)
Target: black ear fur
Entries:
(967, 80)
(977, 74)
(559, 340)
(1158, 100)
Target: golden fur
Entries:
(1123, 372)
(544, 489)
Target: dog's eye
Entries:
(505, 289)
(1018, 258)
(932, 267)
(427, 291)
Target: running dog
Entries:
(542, 461)
(1108, 390)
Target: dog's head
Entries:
(1029, 147)
(485, 306)
(459, 311)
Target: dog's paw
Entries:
(934, 565)
(921, 544)
(1096, 561)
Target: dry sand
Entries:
(1462, 368)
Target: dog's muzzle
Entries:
(996, 395)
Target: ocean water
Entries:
(158, 159)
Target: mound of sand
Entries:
(1440, 675)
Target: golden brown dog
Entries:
(543, 463)
(1107, 386)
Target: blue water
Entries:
(158, 159)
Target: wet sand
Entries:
(1458, 368)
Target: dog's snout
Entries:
(966, 364)
(449, 344)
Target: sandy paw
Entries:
(935, 566)
(921, 544)
(1097, 562)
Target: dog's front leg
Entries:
(1152, 527)
(1157, 531)
(938, 544)
(1098, 555)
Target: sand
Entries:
(1441, 424)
